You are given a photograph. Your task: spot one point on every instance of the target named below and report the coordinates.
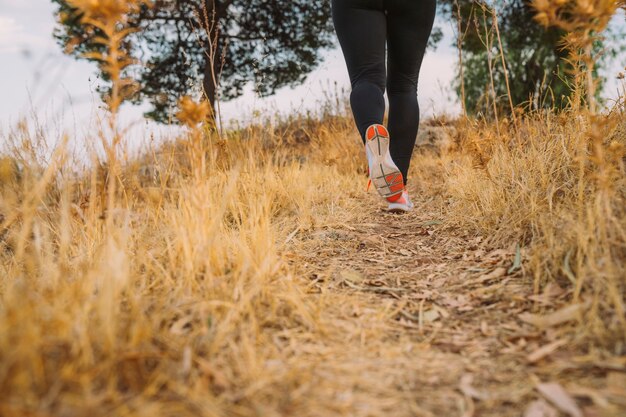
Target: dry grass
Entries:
(558, 187)
(193, 299)
(183, 303)
(248, 274)
(184, 291)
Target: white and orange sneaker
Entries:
(400, 203)
(383, 172)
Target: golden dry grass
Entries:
(558, 186)
(252, 275)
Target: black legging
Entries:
(363, 28)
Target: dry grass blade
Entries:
(238, 278)
(224, 275)
(468, 390)
(517, 262)
(545, 351)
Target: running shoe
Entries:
(383, 172)
(400, 204)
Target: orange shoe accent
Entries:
(397, 187)
(369, 184)
(393, 178)
(395, 198)
(371, 133)
(382, 131)
(395, 182)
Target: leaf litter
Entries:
(462, 325)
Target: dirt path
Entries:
(452, 342)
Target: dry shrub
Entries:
(558, 186)
(181, 304)
(182, 300)
(556, 182)
(162, 286)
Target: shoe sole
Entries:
(398, 208)
(384, 173)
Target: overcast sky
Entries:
(35, 77)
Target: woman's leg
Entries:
(361, 27)
(409, 23)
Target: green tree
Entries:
(229, 43)
(535, 61)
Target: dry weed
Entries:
(209, 277)
(556, 186)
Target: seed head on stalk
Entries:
(111, 18)
(583, 21)
(109, 21)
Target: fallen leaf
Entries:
(555, 393)
(409, 316)
(496, 273)
(593, 412)
(596, 396)
(517, 263)
(454, 301)
(468, 390)
(484, 328)
(561, 316)
(540, 408)
(498, 253)
(552, 290)
(616, 383)
(432, 223)
(351, 275)
(546, 350)
(430, 316)
(185, 367)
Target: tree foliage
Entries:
(535, 60)
(186, 43)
